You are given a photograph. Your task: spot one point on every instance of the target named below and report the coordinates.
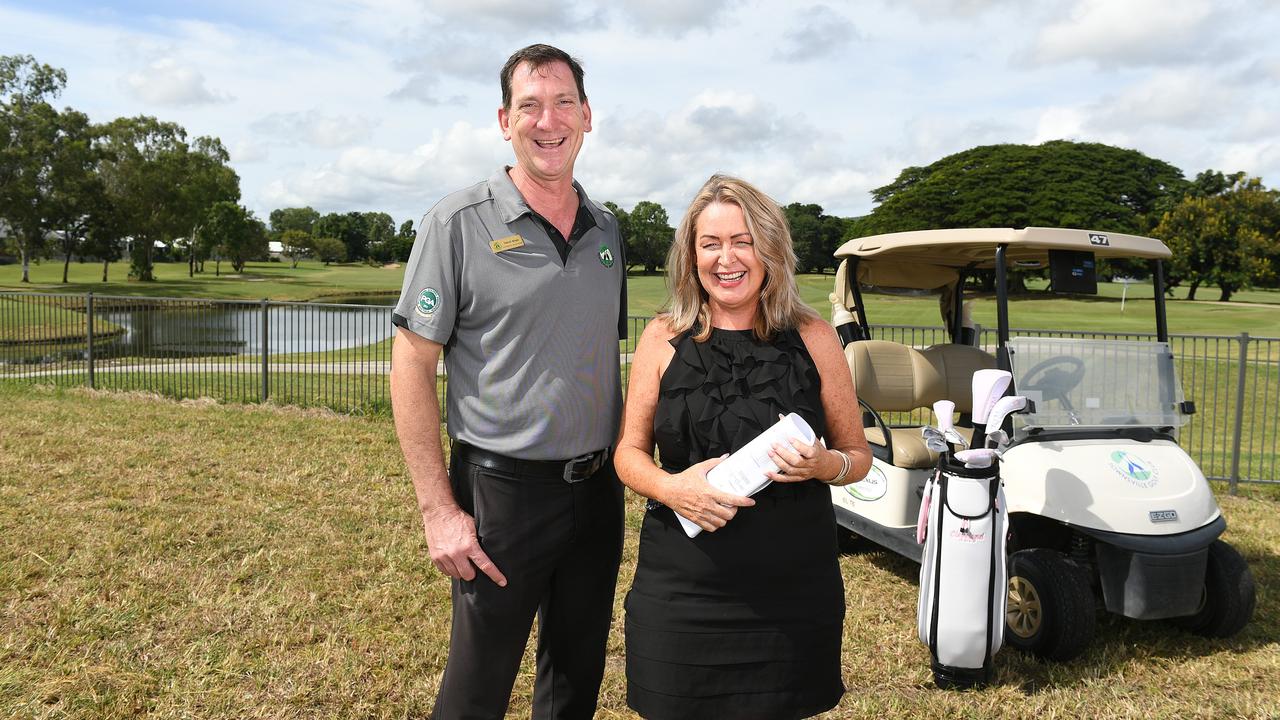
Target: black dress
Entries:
(745, 622)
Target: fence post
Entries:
(265, 364)
(1238, 433)
(88, 311)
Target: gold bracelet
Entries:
(845, 465)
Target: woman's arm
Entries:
(687, 492)
(844, 422)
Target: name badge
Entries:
(507, 243)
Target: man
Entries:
(520, 281)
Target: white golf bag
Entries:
(963, 578)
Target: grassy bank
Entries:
(199, 560)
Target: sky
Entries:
(388, 105)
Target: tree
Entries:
(30, 130)
(144, 174)
(1225, 231)
(349, 228)
(207, 179)
(1055, 184)
(379, 229)
(296, 243)
(402, 243)
(237, 234)
(284, 219)
(649, 235)
(329, 249)
(814, 235)
(75, 190)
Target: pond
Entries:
(185, 328)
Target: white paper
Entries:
(745, 471)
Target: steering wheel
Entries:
(1053, 378)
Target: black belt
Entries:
(573, 470)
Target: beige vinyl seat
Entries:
(892, 377)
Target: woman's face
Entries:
(728, 267)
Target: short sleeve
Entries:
(428, 304)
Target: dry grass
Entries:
(200, 560)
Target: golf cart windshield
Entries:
(1096, 383)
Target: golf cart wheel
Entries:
(1228, 600)
(1051, 610)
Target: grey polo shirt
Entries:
(530, 340)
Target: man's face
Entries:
(546, 121)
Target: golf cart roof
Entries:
(935, 260)
(976, 247)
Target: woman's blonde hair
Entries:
(780, 304)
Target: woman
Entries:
(743, 620)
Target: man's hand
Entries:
(451, 538)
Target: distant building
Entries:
(275, 249)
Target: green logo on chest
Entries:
(606, 256)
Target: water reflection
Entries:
(189, 329)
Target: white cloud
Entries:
(315, 128)
(819, 32)
(1189, 99)
(166, 82)
(1132, 32)
(1059, 123)
(675, 17)
(249, 151)
(368, 177)
(513, 14)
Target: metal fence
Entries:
(337, 356)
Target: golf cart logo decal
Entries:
(1097, 239)
(870, 488)
(428, 301)
(1137, 471)
(606, 256)
(1163, 516)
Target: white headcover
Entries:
(988, 387)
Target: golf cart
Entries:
(1104, 507)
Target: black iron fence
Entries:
(337, 356)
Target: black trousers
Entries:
(559, 545)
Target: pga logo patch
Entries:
(428, 301)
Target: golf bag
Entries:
(963, 581)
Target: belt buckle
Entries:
(571, 466)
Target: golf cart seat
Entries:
(892, 377)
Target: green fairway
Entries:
(272, 280)
(197, 560)
(1255, 311)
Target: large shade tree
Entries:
(649, 235)
(162, 185)
(1224, 232)
(31, 137)
(235, 233)
(1054, 184)
(815, 236)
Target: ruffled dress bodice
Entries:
(715, 396)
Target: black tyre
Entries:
(1228, 600)
(1051, 606)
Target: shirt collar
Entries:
(511, 203)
